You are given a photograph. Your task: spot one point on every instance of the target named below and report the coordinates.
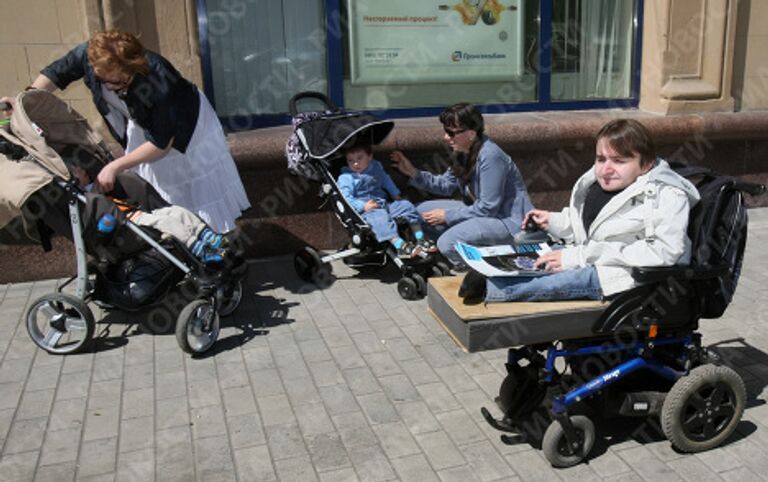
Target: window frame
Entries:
(335, 71)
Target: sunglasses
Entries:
(453, 132)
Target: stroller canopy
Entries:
(323, 137)
(41, 123)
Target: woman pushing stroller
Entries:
(630, 209)
(170, 132)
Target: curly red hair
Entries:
(115, 52)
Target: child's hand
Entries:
(370, 205)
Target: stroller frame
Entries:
(62, 323)
(365, 250)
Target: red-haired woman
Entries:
(171, 135)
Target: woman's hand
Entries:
(434, 217)
(539, 216)
(551, 261)
(105, 181)
(370, 205)
(11, 101)
(403, 164)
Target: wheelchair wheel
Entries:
(555, 446)
(702, 409)
(197, 327)
(60, 323)
(310, 267)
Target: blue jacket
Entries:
(496, 184)
(373, 183)
(163, 103)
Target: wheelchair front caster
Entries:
(703, 408)
(311, 269)
(555, 444)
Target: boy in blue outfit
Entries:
(365, 185)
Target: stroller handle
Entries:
(327, 103)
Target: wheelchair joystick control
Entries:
(531, 226)
(531, 233)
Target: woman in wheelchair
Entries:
(630, 210)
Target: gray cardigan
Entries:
(496, 183)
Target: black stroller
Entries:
(132, 267)
(638, 355)
(315, 150)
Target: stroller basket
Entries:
(137, 281)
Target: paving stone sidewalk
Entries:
(347, 383)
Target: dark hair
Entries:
(465, 116)
(629, 137)
(367, 147)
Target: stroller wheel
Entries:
(229, 299)
(60, 323)
(702, 409)
(555, 445)
(421, 284)
(408, 288)
(310, 267)
(443, 267)
(197, 327)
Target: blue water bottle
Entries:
(106, 224)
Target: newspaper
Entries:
(504, 259)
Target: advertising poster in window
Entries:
(406, 41)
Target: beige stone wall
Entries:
(688, 55)
(750, 84)
(36, 32)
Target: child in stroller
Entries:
(320, 138)
(205, 244)
(365, 184)
(134, 267)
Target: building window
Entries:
(261, 52)
(411, 58)
(592, 46)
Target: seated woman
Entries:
(630, 209)
(494, 199)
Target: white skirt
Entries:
(203, 179)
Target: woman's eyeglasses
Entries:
(116, 84)
(453, 132)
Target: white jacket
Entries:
(644, 225)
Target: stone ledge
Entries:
(259, 148)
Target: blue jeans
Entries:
(575, 284)
(475, 231)
(382, 219)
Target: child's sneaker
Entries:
(427, 245)
(408, 250)
(211, 257)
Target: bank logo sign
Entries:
(458, 56)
